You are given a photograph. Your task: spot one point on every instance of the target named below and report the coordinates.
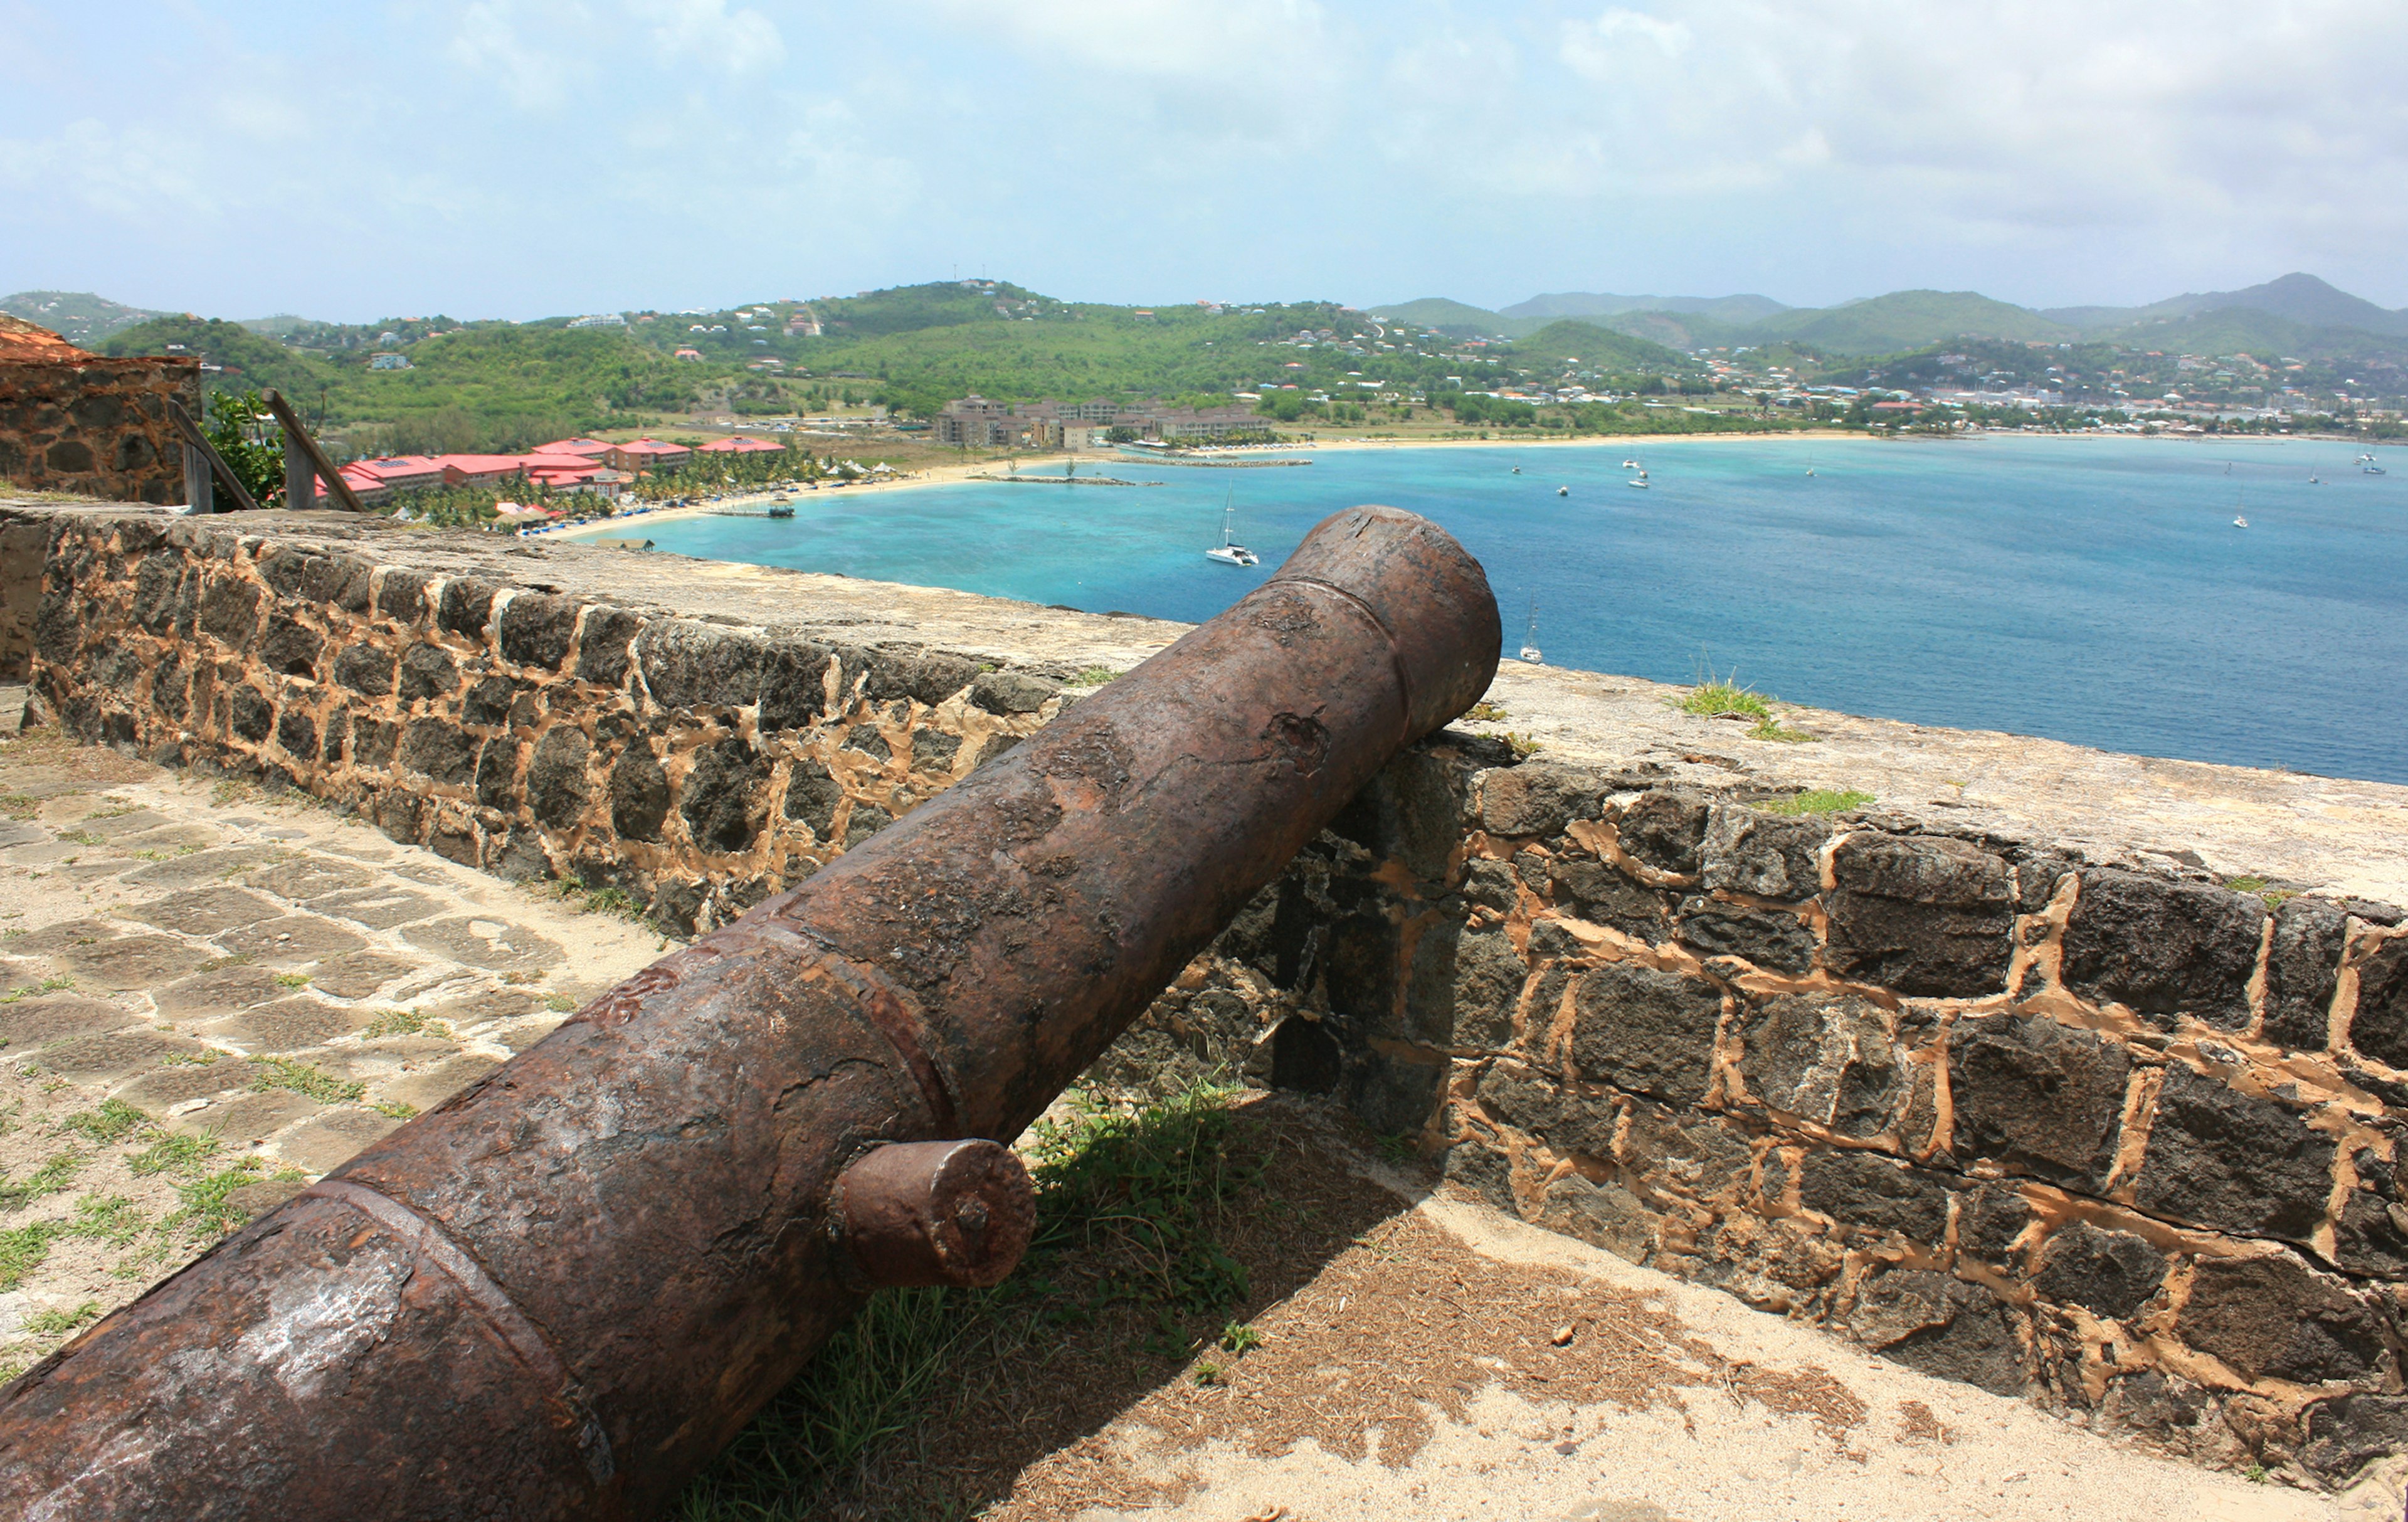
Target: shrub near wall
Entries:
(697, 767)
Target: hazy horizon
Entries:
(526, 158)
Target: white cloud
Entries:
(487, 43)
(738, 41)
(1181, 38)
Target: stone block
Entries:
(205, 911)
(933, 752)
(2108, 1273)
(1827, 1060)
(33, 1022)
(605, 640)
(438, 748)
(492, 945)
(1944, 1326)
(1675, 1149)
(401, 595)
(2163, 948)
(538, 630)
(2347, 1433)
(1868, 1191)
(114, 1055)
(1989, 1221)
(132, 962)
(292, 940)
(1522, 1097)
(288, 1025)
(1487, 975)
(359, 974)
(229, 612)
(240, 1119)
(290, 648)
(498, 774)
(926, 679)
(1536, 797)
(250, 716)
(466, 606)
(2380, 1027)
(2220, 1158)
(374, 742)
(381, 907)
(488, 703)
(1604, 895)
(1603, 1215)
(1646, 1031)
(557, 792)
(1921, 917)
(333, 1138)
(1763, 855)
(2302, 964)
(2036, 1096)
(725, 796)
(639, 794)
(865, 820)
(1772, 938)
(867, 738)
(1664, 829)
(1012, 692)
(307, 877)
(426, 672)
(812, 794)
(794, 686)
(693, 665)
(297, 734)
(2272, 1317)
(431, 1086)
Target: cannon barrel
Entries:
(564, 1290)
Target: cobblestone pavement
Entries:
(209, 996)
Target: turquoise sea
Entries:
(2092, 590)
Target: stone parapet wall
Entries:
(2093, 1127)
(695, 767)
(2113, 1137)
(97, 427)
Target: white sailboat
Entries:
(1640, 480)
(1530, 637)
(1229, 552)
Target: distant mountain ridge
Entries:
(80, 317)
(2295, 313)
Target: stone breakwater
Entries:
(2090, 1126)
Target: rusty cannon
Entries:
(564, 1291)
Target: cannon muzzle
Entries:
(568, 1288)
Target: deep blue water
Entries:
(2089, 590)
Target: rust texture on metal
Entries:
(936, 1213)
(564, 1290)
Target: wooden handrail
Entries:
(194, 438)
(336, 487)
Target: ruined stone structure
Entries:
(73, 422)
(2099, 1130)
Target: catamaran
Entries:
(1530, 637)
(1227, 551)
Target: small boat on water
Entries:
(2240, 522)
(782, 510)
(1629, 465)
(1563, 491)
(1639, 482)
(1517, 471)
(1530, 651)
(1227, 551)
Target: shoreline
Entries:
(944, 475)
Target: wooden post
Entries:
(196, 440)
(300, 446)
(197, 496)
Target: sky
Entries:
(525, 158)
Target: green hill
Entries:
(2243, 330)
(1729, 309)
(77, 316)
(1905, 320)
(1600, 348)
(1452, 318)
(248, 359)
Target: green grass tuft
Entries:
(114, 1121)
(1092, 675)
(1821, 800)
(300, 1077)
(58, 1323)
